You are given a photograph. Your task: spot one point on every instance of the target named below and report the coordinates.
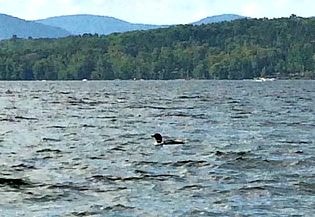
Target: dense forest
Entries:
(242, 49)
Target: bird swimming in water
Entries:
(160, 141)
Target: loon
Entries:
(160, 141)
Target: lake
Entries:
(74, 148)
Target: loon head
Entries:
(157, 137)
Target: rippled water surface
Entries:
(84, 148)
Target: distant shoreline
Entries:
(242, 49)
(145, 80)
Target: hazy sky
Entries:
(157, 11)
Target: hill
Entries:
(61, 26)
(10, 26)
(103, 25)
(243, 49)
(218, 18)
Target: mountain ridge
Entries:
(218, 18)
(93, 24)
(13, 26)
(79, 24)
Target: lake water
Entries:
(84, 148)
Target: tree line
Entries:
(242, 49)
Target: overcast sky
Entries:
(157, 11)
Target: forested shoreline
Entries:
(243, 49)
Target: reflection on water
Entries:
(84, 148)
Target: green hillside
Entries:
(242, 49)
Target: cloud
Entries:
(35, 9)
(251, 9)
(277, 8)
(157, 11)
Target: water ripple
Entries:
(84, 149)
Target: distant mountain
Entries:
(103, 25)
(218, 18)
(61, 26)
(10, 26)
